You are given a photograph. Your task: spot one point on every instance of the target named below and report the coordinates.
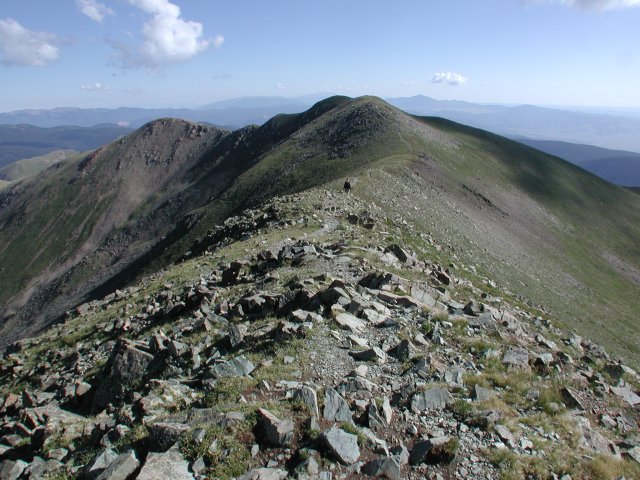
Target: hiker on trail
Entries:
(347, 186)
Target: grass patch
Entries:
(225, 450)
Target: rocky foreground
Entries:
(313, 338)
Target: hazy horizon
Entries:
(187, 53)
(604, 109)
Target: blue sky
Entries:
(172, 53)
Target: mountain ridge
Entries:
(485, 189)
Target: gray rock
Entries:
(386, 467)
(10, 470)
(374, 419)
(308, 396)
(481, 394)
(454, 377)
(168, 465)
(342, 445)
(505, 435)
(402, 351)
(165, 435)
(127, 367)
(432, 399)
(236, 335)
(277, 432)
(237, 367)
(634, 453)
(121, 468)
(336, 409)
(420, 451)
(571, 398)
(39, 468)
(348, 322)
(265, 474)
(627, 395)
(374, 354)
(387, 411)
(516, 358)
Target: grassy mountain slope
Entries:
(31, 166)
(543, 228)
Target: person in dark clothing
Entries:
(347, 186)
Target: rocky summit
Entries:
(316, 336)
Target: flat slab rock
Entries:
(627, 395)
(432, 399)
(348, 322)
(168, 465)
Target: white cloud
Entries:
(281, 86)
(449, 78)
(21, 46)
(93, 9)
(167, 38)
(593, 4)
(94, 87)
(218, 40)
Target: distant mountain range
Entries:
(617, 132)
(571, 135)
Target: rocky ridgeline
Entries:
(325, 357)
